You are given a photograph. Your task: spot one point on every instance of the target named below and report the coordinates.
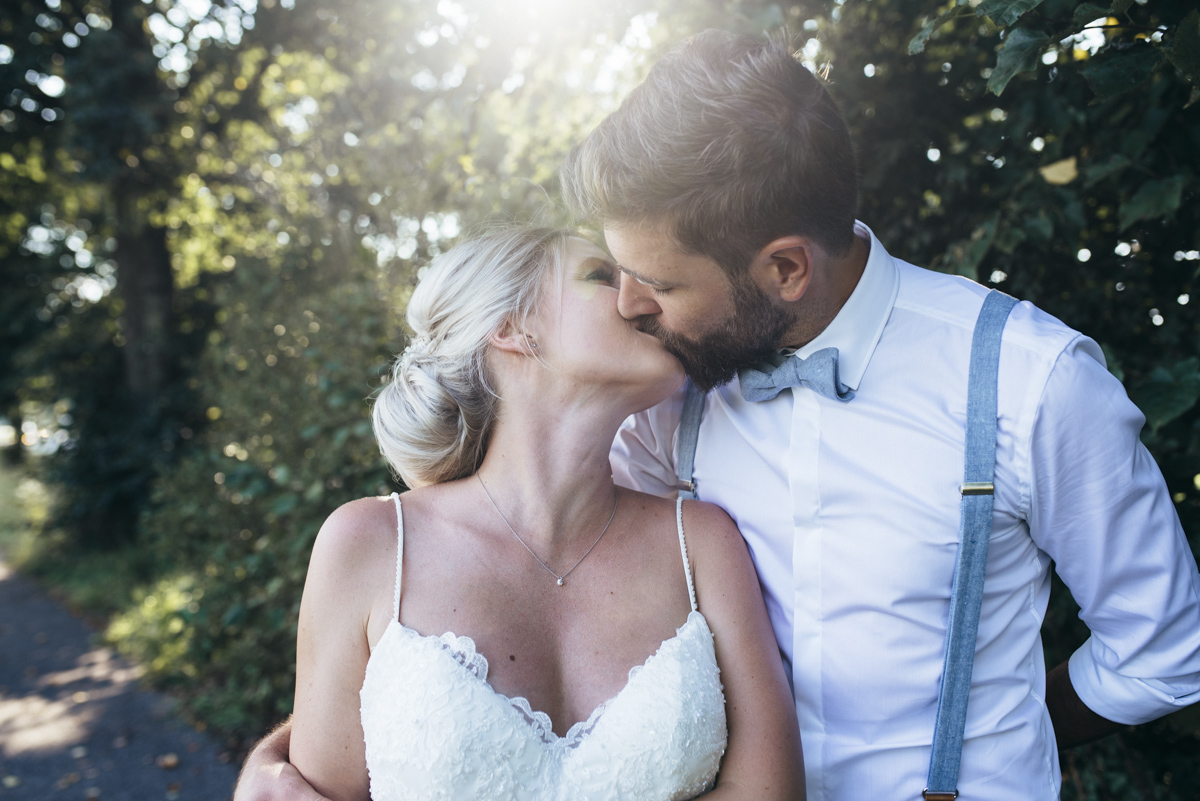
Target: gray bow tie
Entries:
(818, 372)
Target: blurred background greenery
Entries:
(212, 213)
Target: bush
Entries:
(287, 372)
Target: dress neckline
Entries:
(454, 645)
(539, 721)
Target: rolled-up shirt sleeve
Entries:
(1099, 507)
(643, 453)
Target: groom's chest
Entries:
(861, 494)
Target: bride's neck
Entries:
(547, 469)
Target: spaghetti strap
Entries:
(399, 555)
(687, 568)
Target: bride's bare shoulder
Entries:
(705, 519)
(712, 536)
(355, 536)
(705, 524)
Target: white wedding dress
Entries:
(435, 729)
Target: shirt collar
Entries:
(856, 329)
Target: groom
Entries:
(726, 186)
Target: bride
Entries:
(598, 643)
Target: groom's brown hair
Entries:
(730, 142)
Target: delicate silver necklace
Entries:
(534, 555)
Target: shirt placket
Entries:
(803, 479)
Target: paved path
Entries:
(75, 725)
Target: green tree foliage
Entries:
(238, 515)
(295, 167)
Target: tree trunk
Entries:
(15, 453)
(146, 285)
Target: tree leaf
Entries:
(917, 43)
(1020, 53)
(284, 504)
(1120, 71)
(1005, 12)
(233, 615)
(1060, 172)
(1185, 47)
(1008, 239)
(964, 257)
(1121, 6)
(1099, 171)
(1152, 200)
(1040, 227)
(1168, 392)
(1089, 12)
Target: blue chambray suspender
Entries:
(689, 432)
(966, 592)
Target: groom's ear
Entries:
(784, 267)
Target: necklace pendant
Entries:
(560, 582)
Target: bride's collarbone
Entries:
(458, 574)
(548, 626)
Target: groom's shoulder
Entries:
(941, 303)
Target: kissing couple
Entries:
(607, 582)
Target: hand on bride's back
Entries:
(268, 776)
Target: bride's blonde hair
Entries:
(433, 417)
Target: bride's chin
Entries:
(663, 386)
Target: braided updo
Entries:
(433, 417)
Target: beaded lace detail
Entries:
(463, 651)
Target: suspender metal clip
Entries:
(687, 486)
(939, 796)
(977, 488)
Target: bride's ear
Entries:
(512, 340)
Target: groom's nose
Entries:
(635, 299)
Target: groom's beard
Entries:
(752, 333)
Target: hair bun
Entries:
(419, 418)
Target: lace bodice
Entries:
(435, 729)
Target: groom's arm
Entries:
(643, 453)
(1099, 507)
(267, 774)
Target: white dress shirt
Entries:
(851, 512)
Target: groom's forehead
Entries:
(643, 255)
(642, 246)
(649, 251)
